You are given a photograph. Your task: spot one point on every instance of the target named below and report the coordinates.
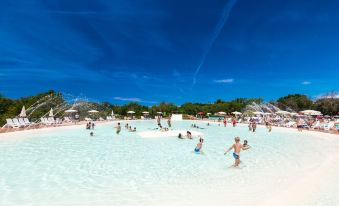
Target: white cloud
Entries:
(306, 82)
(224, 81)
(133, 99)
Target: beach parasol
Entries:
(130, 112)
(256, 113)
(71, 111)
(51, 113)
(222, 113)
(93, 111)
(282, 112)
(159, 112)
(23, 112)
(145, 112)
(201, 113)
(236, 113)
(311, 112)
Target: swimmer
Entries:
(130, 129)
(189, 135)
(237, 147)
(246, 145)
(134, 130)
(118, 128)
(180, 136)
(199, 145)
(91, 134)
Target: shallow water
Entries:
(69, 167)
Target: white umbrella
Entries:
(159, 112)
(208, 114)
(282, 112)
(294, 114)
(222, 113)
(51, 113)
(257, 113)
(236, 113)
(267, 113)
(311, 112)
(23, 112)
(112, 114)
(130, 112)
(145, 112)
(93, 111)
(71, 111)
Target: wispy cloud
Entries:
(133, 99)
(224, 81)
(225, 14)
(306, 82)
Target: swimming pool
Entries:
(66, 166)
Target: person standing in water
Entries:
(199, 145)
(118, 127)
(169, 122)
(225, 122)
(254, 126)
(234, 122)
(237, 147)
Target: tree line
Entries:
(43, 102)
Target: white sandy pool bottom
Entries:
(68, 167)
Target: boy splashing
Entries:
(237, 147)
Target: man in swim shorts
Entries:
(237, 147)
(118, 128)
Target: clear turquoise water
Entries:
(69, 167)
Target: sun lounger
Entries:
(10, 123)
(16, 122)
(22, 122)
(88, 119)
(27, 122)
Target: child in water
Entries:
(199, 145)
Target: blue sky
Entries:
(177, 51)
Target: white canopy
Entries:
(258, 113)
(51, 113)
(236, 113)
(23, 112)
(130, 112)
(294, 114)
(71, 111)
(145, 112)
(222, 113)
(93, 111)
(267, 113)
(159, 112)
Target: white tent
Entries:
(145, 112)
(222, 113)
(23, 112)
(236, 113)
(51, 113)
(130, 112)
